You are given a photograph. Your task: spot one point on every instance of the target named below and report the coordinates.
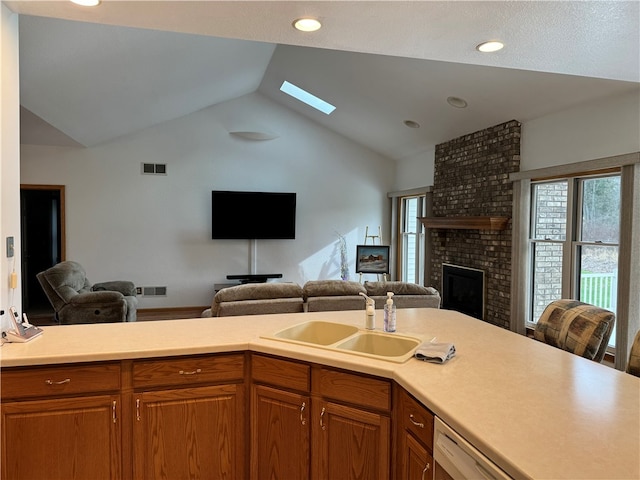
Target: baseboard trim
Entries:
(170, 313)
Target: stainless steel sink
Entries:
(350, 339)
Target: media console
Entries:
(254, 278)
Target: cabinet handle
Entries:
(113, 412)
(61, 382)
(417, 424)
(138, 409)
(322, 425)
(303, 421)
(193, 372)
(426, 469)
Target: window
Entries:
(574, 240)
(411, 239)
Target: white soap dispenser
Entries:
(389, 314)
(370, 312)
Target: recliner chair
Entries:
(76, 300)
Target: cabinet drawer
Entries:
(60, 380)
(281, 373)
(188, 370)
(353, 388)
(415, 418)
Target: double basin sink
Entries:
(350, 339)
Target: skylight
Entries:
(306, 97)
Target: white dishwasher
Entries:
(460, 459)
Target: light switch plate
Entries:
(10, 250)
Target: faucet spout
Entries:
(368, 300)
(370, 318)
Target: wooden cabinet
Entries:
(280, 418)
(316, 422)
(352, 438)
(189, 418)
(414, 434)
(194, 417)
(441, 473)
(61, 422)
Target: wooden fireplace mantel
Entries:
(469, 223)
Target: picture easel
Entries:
(373, 238)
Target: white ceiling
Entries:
(93, 76)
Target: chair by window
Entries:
(76, 300)
(633, 367)
(576, 327)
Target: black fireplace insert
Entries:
(463, 290)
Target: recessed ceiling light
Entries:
(87, 3)
(307, 24)
(411, 124)
(488, 47)
(457, 102)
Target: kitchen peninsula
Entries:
(533, 410)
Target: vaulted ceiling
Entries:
(88, 76)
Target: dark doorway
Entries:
(43, 240)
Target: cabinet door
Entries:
(195, 433)
(279, 434)
(349, 443)
(70, 438)
(416, 462)
(441, 473)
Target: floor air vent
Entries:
(154, 168)
(154, 291)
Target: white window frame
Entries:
(628, 300)
(571, 244)
(396, 227)
(418, 240)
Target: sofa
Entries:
(316, 296)
(256, 299)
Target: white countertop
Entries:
(534, 410)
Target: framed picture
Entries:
(372, 259)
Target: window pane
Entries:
(550, 214)
(547, 276)
(409, 258)
(601, 209)
(411, 215)
(599, 278)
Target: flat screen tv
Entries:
(253, 215)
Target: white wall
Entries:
(416, 171)
(602, 128)
(9, 159)
(156, 230)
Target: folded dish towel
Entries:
(435, 352)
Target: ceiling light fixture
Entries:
(491, 46)
(307, 24)
(457, 102)
(411, 124)
(86, 3)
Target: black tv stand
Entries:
(254, 278)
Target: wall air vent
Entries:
(154, 291)
(154, 168)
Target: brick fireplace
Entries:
(472, 180)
